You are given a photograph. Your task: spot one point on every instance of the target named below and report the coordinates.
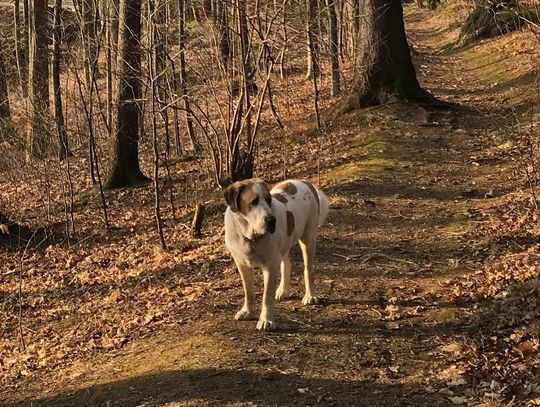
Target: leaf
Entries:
(458, 400)
(4, 228)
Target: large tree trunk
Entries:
(385, 67)
(38, 80)
(493, 18)
(125, 170)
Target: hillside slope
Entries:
(424, 206)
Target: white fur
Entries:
(270, 252)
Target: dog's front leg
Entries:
(266, 319)
(247, 311)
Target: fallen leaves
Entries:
(95, 299)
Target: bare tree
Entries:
(183, 77)
(334, 46)
(21, 43)
(38, 79)
(61, 133)
(312, 38)
(125, 170)
(5, 111)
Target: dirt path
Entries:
(404, 190)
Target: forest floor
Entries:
(426, 267)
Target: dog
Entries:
(261, 226)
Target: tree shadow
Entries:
(197, 387)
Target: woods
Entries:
(121, 123)
(103, 50)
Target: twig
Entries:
(367, 257)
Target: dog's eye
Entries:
(255, 202)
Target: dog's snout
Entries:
(270, 223)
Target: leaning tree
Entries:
(125, 170)
(385, 69)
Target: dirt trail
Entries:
(404, 189)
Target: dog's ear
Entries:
(231, 195)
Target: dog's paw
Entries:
(244, 315)
(309, 300)
(263, 325)
(282, 294)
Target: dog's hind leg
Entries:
(284, 289)
(270, 276)
(308, 247)
(248, 310)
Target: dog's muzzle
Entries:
(270, 223)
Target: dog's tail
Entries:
(323, 206)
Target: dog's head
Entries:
(251, 203)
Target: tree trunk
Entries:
(491, 19)
(196, 224)
(21, 45)
(89, 15)
(63, 149)
(7, 130)
(183, 78)
(223, 32)
(312, 39)
(4, 96)
(384, 61)
(38, 80)
(334, 48)
(125, 170)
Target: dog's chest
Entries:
(249, 253)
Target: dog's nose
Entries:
(270, 223)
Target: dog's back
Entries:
(308, 205)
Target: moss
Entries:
(358, 168)
(444, 314)
(498, 70)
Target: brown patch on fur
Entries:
(240, 194)
(280, 197)
(314, 192)
(287, 187)
(290, 223)
(247, 195)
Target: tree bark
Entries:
(312, 39)
(334, 47)
(7, 130)
(183, 78)
(223, 30)
(21, 45)
(63, 149)
(196, 224)
(89, 16)
(38, 80)
(5, 111)
(385, 67)
(125, 170)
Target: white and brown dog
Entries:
(261, 226)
